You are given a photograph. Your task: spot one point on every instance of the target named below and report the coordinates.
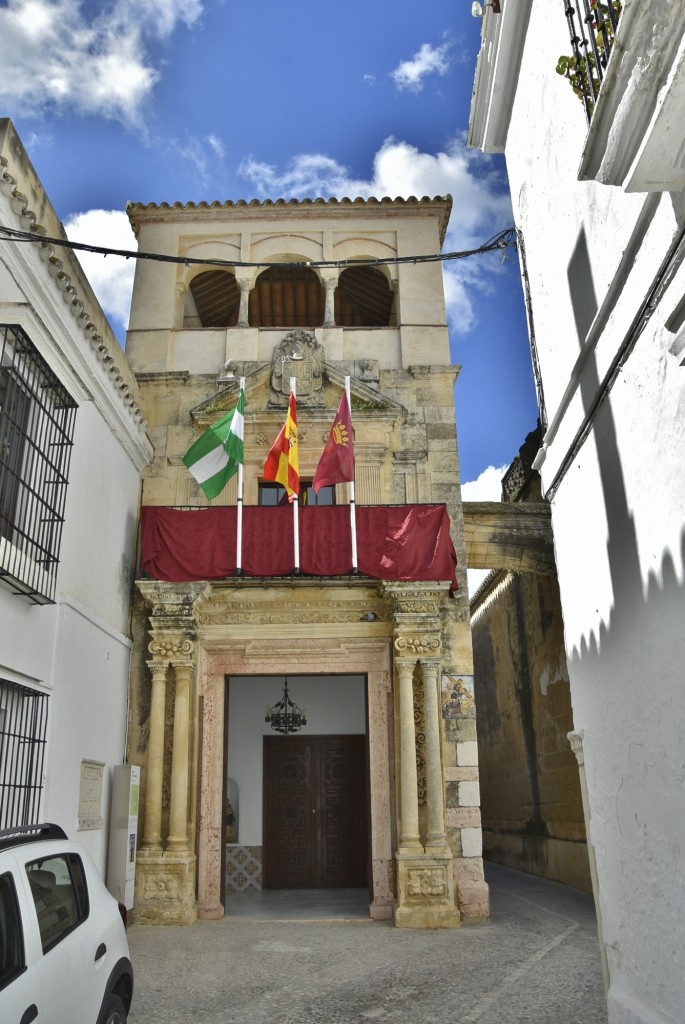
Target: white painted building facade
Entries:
(601, 210)
(64, 594)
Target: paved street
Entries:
(536, 961)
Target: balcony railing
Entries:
(592, 27)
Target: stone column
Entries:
(152, 834)
(245, 286)
(165, 876)
(329, 308)
(409, 800)
(425, 887)
(211, 838)
(180, 767)
(435, 824)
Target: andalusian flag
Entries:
(282, 463)
(337, 459)
(215, 457)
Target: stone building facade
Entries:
(287, 303)
(532, 804)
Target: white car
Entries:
(64, 955)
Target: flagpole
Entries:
(353, 508)
(239, 502)
(295, 504)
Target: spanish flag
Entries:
(282, 463)
(337, 459)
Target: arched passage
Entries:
(363, 298)
(212, 300)
(287, 297)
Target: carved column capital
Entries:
(417, 618)
(167, 649)
(419, 644)
(173, 617)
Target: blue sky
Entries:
(185, 100)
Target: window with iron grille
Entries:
(23, 731)
(592, 27)
(37, 417)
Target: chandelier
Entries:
(285, 716)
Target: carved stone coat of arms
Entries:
(298, 355)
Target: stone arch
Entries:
(287, 296)
(212, 299)
(286, 248)
(363, 298)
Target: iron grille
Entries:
(592, 26)
(37, 416)
(23, 730)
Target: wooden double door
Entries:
(315, 812)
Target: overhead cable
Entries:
(498, 243)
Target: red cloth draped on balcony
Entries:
(395, 542)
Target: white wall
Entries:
(87, 719)
(76, 650)
(618, 517)
(334, 705)
(99, 537)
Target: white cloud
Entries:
(55, 57)
(111, 277)
(428, 60)
(486, 487)
(201, 154)
(481, 202)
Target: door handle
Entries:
(30, 1013)
(100, 952)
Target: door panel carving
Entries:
(315, 812)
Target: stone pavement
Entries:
(537, 960)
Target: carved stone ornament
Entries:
(420, 739)
(160, 886)
(299, 355)
(171, 648)
(426, 882)
(417, 607)
(417, 645)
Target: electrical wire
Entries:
(498, 243)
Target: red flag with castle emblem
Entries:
(337, 460)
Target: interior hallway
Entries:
(275, 961)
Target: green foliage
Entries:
(582, 72)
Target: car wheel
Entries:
(115, 1012)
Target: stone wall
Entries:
(530, 790)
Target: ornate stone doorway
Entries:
(364, 656)
(202, 634)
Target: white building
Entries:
(73, 447)
(597, 190)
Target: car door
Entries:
(21, 999)
(73, 961)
